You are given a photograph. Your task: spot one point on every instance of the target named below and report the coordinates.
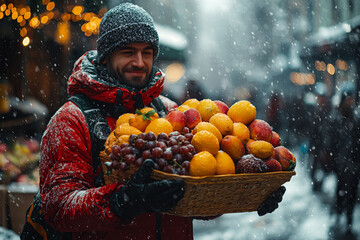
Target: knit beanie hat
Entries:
(124, 24)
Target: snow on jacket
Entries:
(71, 202)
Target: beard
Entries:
(133, 81)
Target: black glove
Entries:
(140, 194)
(272, 202)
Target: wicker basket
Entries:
(215, 195)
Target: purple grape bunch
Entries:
(171, 153)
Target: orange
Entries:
(242, 111)
(183, 108)
(205, 141)
(260, 149)
(241, 131)
(208, 127)
(203, 164)
(124, 118)
(207, 108)
(142, 118)
(192, 103)
(225, 165)
(159, 125)
(126, 130)
(222, 122)
(123, 139)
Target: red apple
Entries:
(285, 157)
(260, 130)
(275, 140)
(177, 119)
(273, 165)
(192, 118)
(223, 107)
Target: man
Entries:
(117, 78)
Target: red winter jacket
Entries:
(70, 200)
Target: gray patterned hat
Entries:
(124, 24)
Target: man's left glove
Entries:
(272, 202)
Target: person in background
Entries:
(345, 149)
(320, 160)
(74, 202)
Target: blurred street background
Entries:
(284, 56)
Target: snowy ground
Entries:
(301, 215)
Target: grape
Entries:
(140, 143)
(181, 138)
(115, 165)
(123, 166)
(132, 139)
(172, 142)
(189, 136)
(129, 158)
(184, 150)
(168, 154)
(115, 149)
(186, 142)
(150, 136)
(139, 162)
(191, 148)
(186, 165)
(162, 163)
(146, 154)
(185, 130)
(169, 169)
(113, 156)
(157, 152)
(161, 145)
(175, 149)
(141, 136)
(189, 155)
(182, 171)
(178, 158)
(174, 133)
(156, 166)
(162, 137)
(124, 145)
(125, 151)
(136, 152)
(150, 145)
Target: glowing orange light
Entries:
(330, 69)
(50, 6)
(77, 10)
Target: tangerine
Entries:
(242, 111)
(241, 131)
(207, 108)
(209, 127)
(225, 164)
(159, 125)
(192, 103)
(222, 122)
(124, 118)
(183, 108)
(205, 141)
(142, 118)
(260, 149)
(203, 164)
(124, 129)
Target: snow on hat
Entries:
(124, 24)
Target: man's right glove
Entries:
(140, 194)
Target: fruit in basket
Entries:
(242, 111)
(110, 141)
(275, 140)
(273, 165)
(192, 118)
(176, 118)
(222, 122)
(233, 146)
(260, 149)
(207, 108)
(285, 157)
(241, 131)
(125, 130)
(124, 118)
(159, 125)
(203, 164)
(142, 118)
(225, 164)
(205, 141)
(260, 130)
(223, 107)
(33, 145)
(192, 103)
(208, 127)
(250, 164)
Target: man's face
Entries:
(132, 63)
